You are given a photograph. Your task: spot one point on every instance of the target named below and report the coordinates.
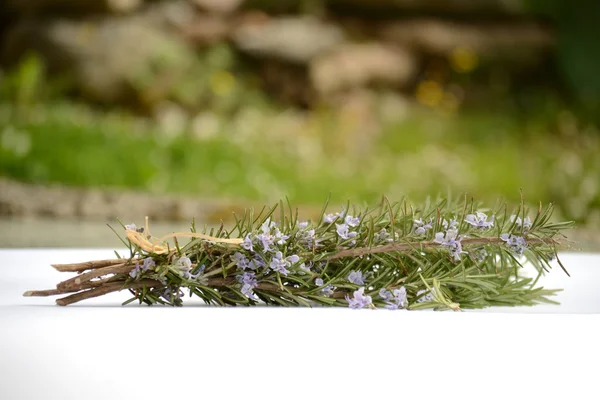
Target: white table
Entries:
(99, 350)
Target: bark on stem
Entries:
(84, 266)
(78, 280)
(360, 251)
(105, 289)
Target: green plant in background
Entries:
(440, 255)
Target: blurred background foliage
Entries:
(255, 100)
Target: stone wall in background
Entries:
(143, 54)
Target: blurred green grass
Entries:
(486, 155)
(262, 153)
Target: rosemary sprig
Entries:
(443, 255)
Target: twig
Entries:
(360, 251)
(104, 289)
(84, 266)
(113, 269)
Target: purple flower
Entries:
(189, 276)
(450, 225)
(326, 290)
(481, 255)
(359, 300)
(344, 232)
(427, 296)
(135, 271)
(356, 277)
(305, 267)
(184, 263)
(382, 236)
(525, 223)
(451, 242)
(148, 264)
(303, 225)
(131, 227)
(170, 294)
(329, 218)
(240, 260)
(352, 221)
(279, 264)
(249, 282)
(479, 220)
(514, 243)
(306, 238)
(398, 299)
(385, 294)
(247, 243)
(420, 227)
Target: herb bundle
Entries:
(442, 255)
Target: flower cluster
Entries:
(356, 277)
(425, 296)
(420, 227)
(452, 242)
(306, 237)
(345, 229)
(479, 220)
(359, 299)
(382, 237)
(524, 223)
(147, 265)
(515, 243)
(326, 290)
(394, 299)
(249, 282)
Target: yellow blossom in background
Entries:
(464, 59)
(430, 93)
(222, 83)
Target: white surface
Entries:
(100, 350)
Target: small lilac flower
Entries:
(249, 282)
(481, 255)
(329, 218)
(135, 272)
(305, 267)
(514, 243)
(189, 276)
(327, 290)
(256, 263)
(420, 227)
(451, 242)
(450, 225)
(525, 223)
(352, 221)
(279, 264)
(385, 294)
(266, 240)
(306, 238)
(344, 232)
(397, 300)
(428, 296)
(359, 300)
(131, 227)
(247, 243)
(241, 260)
(170, 294)
(303, 225)
(184, 263)
(319, 282)
(148, 264)
(356, 277)
(479, 220)
(382, 236)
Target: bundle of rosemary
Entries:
(394, 256)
